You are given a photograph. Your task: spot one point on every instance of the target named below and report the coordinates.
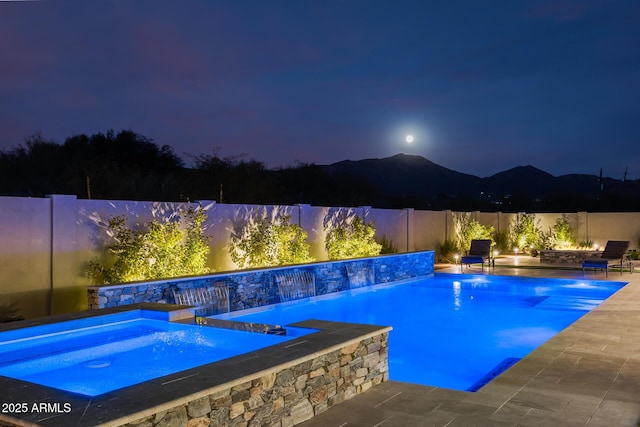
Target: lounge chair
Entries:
(479, 253)
(614, 254)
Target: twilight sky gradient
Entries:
(483, 86)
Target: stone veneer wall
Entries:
(286, 397)
(255, 288)
(566, 257)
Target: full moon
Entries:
(409, 139)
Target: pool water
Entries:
(93, 356)
(453, 331)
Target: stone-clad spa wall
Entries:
(255, 288)
(287, 397)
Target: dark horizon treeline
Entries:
(129, 166)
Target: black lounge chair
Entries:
(614, 254)
(479, 253)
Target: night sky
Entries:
(483, 86)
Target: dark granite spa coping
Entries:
(134, 402)
(174, 312)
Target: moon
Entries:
(409, 139)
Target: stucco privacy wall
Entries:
(429, 228)
(615, 226)
(25, 254)
(393, 222)
(45, 242)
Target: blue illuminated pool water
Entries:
(453, 331)
(104, 353)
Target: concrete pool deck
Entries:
(588, 375)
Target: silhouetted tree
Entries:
(126, 165)
(33, 169)
(123, 165)
(231, 180)
(308, 183)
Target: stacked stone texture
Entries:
(567, 257)
(288, 397)
(258, 288)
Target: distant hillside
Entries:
(409, 175)
(410, 178)
(521, 180)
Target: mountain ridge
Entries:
(414, 177)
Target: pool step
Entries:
(497, 370)
(564, 303)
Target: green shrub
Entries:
(502, 241)
(467, 229)
(262, 243)
(585, 244)
(9, 312)
(387, 246)
(351, 239)
(446, 252)
(170, 247)
(525, 233)
(547, 240)
(562, 233)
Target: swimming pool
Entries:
(453, 331)
(99, 354)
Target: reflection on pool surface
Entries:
(454, 331)
(93, 355)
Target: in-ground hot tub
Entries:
(99, 354)
(329, 362)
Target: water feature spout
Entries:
(294, 285)
(208, 301)
(360, 274)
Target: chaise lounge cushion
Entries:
(595, 262)
(471, 259)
